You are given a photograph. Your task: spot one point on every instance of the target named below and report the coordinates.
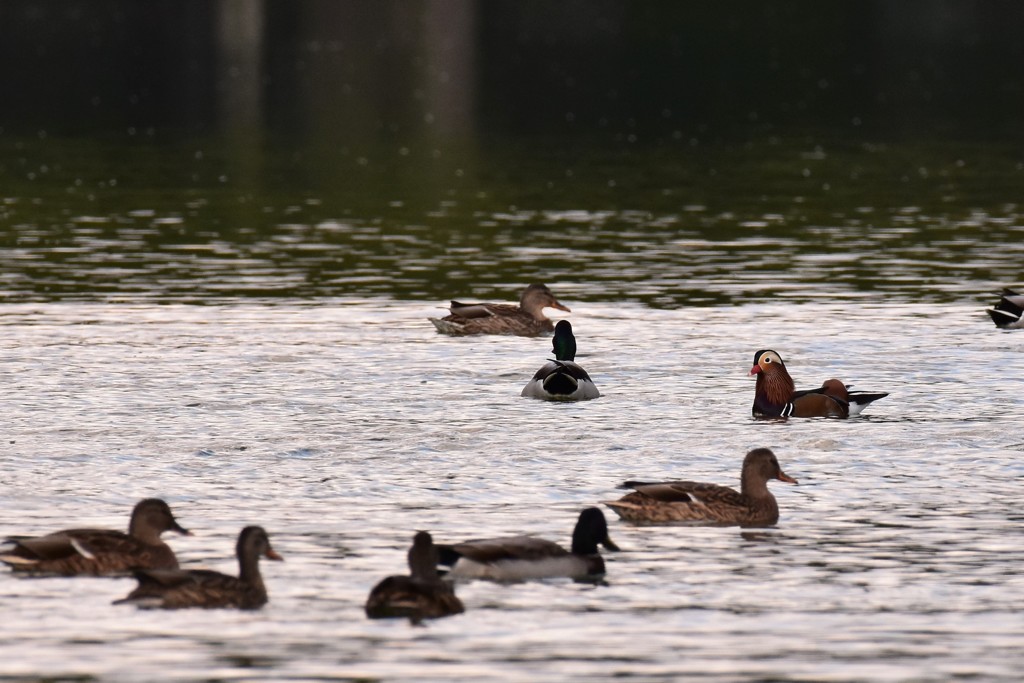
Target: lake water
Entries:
(343, 425)
(223, 227)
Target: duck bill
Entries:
(560, 306)
(271, 554)
(181, 530)
(754, 370)
(786, 478)
(608, 544)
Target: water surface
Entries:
(344, 426)
(223, 226)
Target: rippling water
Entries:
(216, 270)
(344, 425)
(672, 224)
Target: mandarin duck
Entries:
(775, 394)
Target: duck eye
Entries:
(767, 359)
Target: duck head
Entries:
(774, 386)
(423, 557)
(150, 518)
(536, 298)
(563, 344)
(759, 466)
(591, 530)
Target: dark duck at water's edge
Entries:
(525, 320)
(99, 552)
(421, 595)
(687, 501)
(562, 379)
(1008, 314)
(775, 394)
(180, 588)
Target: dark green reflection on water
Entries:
(669, 153)
(674, 223)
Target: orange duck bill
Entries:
(782, 476)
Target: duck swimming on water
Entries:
(525, 320)
(562, 379)
(775, 394)
(694, 502)
(99, 552)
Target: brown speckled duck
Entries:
(775, 394)
(525, 320)
(688, 501)
(421, 595)
(179, 588)
(99, 552)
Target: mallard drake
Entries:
(517, 558)
(562, 379)
(525, 320)
(688, 501)
(1008, 314)
(180, 588)
(99, 552)
(775, 393)
(421, 595)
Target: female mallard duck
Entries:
(562, 379)
(525, 320)
(688, 501)
(775, 394)
(100, 552)
(1008, 314)
(421, 595)
(526, 557)
(179, 588)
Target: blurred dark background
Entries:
(346, 71)
(661, 151)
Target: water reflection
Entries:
(419, 149)
(208, 251)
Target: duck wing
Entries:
(805, 392)
(491, 550)
(406, 596)
(174, 589)
(70, 542)
(565, 367)
(817, 404)
(546, 370)
(467, 311)
(687, 492)
(1009, 311)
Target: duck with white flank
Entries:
(562, 379)
(518, 558)
(1008, 314)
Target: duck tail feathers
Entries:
(859, 400)
(447, 556)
